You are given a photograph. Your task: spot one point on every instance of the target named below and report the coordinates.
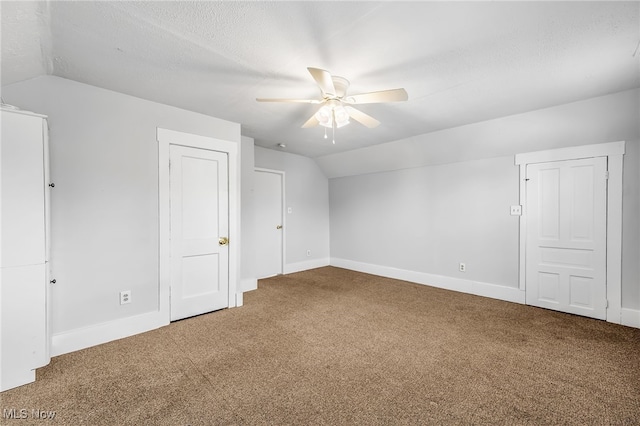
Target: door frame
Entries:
(283, 209)
(165, 138)
(614, 152)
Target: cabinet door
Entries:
(22, 190)
(24, 343)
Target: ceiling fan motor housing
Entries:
(341, 85)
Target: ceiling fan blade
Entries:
(324, 80)
(312, 122)
(300, 101)
(392, 95)
(362, 118)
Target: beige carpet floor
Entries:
(331, 346)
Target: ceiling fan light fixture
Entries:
(341, 116)
(324, 116)
(330, 114)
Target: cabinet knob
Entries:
(53, 281)
(52, 185)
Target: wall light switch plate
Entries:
(289, 210)
(516, 210)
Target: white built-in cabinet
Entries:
(24, 201)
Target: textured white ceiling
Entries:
(460, 62)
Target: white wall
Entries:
(424, 204)
(104, 208)
(307, 193)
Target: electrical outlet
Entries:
(462, 267)
(308, 252)
(125, 297)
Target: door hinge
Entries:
(606, 174)
(606, 305)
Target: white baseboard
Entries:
(248, 284)
(509, 294)
(630, 317)
(86, 337)
(74, 340)
(290, 268)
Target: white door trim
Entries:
(614, 151)
(284, 211)
(165, 138)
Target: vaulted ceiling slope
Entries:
(460, 62)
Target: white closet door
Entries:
(566, 236)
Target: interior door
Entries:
(199, 210)
(269, 223)
(566, 236)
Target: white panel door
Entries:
(199, 194)
(566, 236)
(269, 223)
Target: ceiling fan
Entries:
(336, 106)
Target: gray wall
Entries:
(427, 203)
(429, 219)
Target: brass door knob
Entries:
(223, 241)
(279, 227)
